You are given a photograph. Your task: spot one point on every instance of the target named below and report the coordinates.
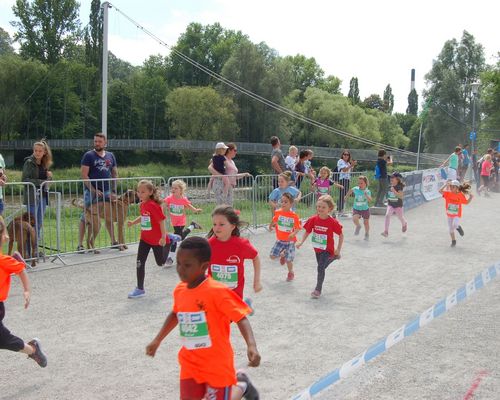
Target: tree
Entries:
(93, 36)
(412, 103)
(5, 43)
(457, 66)
(46, 28)
(330, 84)
(354, 91)
(374, 102)
(388, 99)
(305, 72)
(490, 104)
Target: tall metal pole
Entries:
(418, 150)
(104, 105)
(473, 142)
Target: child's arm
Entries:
(247, 333)
(169, 324)
(339, 245)
(368, 197)
(273, 204)
(471, 196)
(348, 194)
(298, 197)
(399, 194)
(443, 187)
(23, 276)
(338, 185)
(294, 233)
(163, 230)
(304, 238)
(272, 225)
(257, 286)
(134, 221)
(196, 210)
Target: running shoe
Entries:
(367, 236)
(453, 243)
(316, 294)
(251, 393)
(195, 225)
(169, 262)
(385, 234)
(460, 230)
(136, 293)
(290, 277)
(38, 355)
(357, 230)
(174, 238)
(80, 249)
(249, 303)
(405, 227)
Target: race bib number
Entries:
(323, 190)
(392, 196)
(226, 274)
(360, 201)
(177, 209)
(453, 209)
(285, 224)
(319, 241)
(194, 330)
(146, 223)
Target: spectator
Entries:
(383, 178)
(345, 165)
(97, 164)
(3, 180)
(36, 170)
(277, 160)
(465, 162)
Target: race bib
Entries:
(391, 196)
(177, 209)
(319, 241)
(453, 209)
(360, 201)
(285, 224)
(194, 330)
(226, 274)
(323, 190)
(146, 223)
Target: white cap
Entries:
(220, 145)
(455, 183)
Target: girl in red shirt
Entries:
(229, 252)
(455, 196)
(323, 227)
(486, 168)
(153, 232)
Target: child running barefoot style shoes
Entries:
(38, 355)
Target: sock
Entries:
(190, 228)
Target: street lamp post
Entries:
(474, 90)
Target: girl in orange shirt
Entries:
(455, 196)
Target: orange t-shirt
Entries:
(204, 315)
(8, 266)
(286, 222)
(454, 203)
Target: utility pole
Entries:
(104, 106)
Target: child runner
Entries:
(361, 209)
(486, 168)
(283, 187)
(323, 182)
(395, 203)
(287, 226)
(153, 232)
(176, 204)
(323, 227)
(455, 196)
(8, 266)
(229, 252)
(204, 310)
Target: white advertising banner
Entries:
(431, 183)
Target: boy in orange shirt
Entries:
(15, 265)
(287, 225)
(204, 310)
(455, 196)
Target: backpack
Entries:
(335, 174)
(377, 171)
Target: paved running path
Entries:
(95, 337)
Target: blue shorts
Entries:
(90, 198)
(288, 249)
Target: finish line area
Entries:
(95, 337)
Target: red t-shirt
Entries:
(204, 314)
(227, 261)
(454, 203)
(151, 218)
(176, 208)
(8, 266)
(322, 233)
(486, 168)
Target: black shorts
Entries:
(7, 340)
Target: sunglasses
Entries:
(345, 154)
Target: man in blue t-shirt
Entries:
(97, 164)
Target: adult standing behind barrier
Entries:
(383, 178)
(344, 167)
(233, 177)
(97, 164)
(36, 171)
(465, 162)
(277, 159)
(3, 179)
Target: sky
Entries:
(378, 42)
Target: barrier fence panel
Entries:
(206, 192)
(74, 216)
(20, 202)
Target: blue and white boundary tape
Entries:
(446, 304)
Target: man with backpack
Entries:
(382, 177)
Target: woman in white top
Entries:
(233, 176)
(344, 166)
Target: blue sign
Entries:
(473, 135)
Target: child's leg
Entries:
(400, 215)
(289, 265)
(355, 219)
(388, 214)
(366, 223)
(159, 253)
(178, 230)
(142, 256)
(7, 340)
(322, 259)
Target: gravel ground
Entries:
(95, 337)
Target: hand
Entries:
(130, 223)
(257, 287)
(198, 210)
(393, 190)
(162, 241)
(253, 356)
(49, 174)
(271, 226)
(292, 235)
(248, 174)
(354, 162)
(27, 299)
(152, 347)
(336, 253)
(298, 245)
(341, 187)
(98, 193)
(113, 197)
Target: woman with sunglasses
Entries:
(344, 166)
